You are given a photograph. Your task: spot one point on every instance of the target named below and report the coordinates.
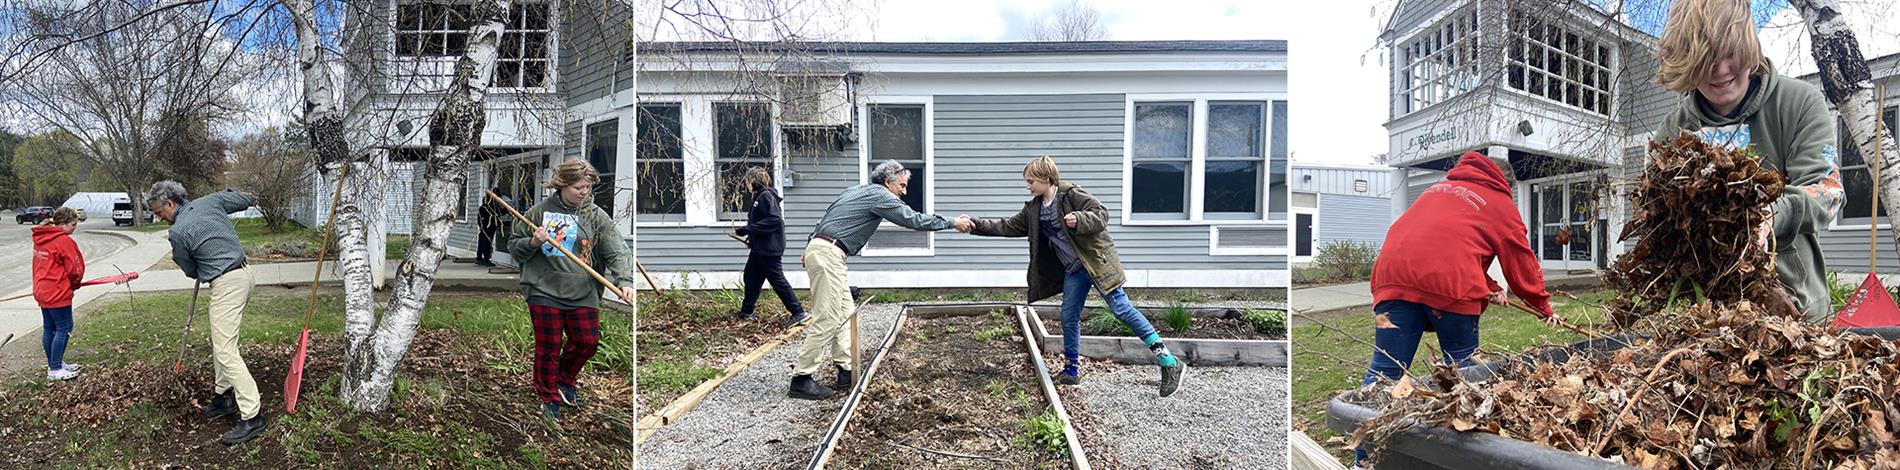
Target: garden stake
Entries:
(570, 255)
(293, 381)
(179, 367)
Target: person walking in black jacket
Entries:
(765, 232)
(488, 220)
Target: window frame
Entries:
(1891, 116)
(550, 56)
(1197, 134)
(1198, 158)
(665, 219)
(928, 104)
(1517, 35)
(607, 178)
(1263, 161)
(773, 141)
(1429, 74)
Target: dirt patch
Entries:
(954, 392)
(453, 407)
(686, 329)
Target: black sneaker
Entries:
(571, 396)
(804, 388)
(222, 404)
(797, 319)
(744, 315)
(1067, 379)
(246, 429)
(1171, 377)
(551, 411)
(845, 379)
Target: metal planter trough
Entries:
(887, 360)
(1443, 448)
(1196, 351)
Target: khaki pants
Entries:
(831, 309)
(229, 293)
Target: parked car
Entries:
(122, 212)
(81, 213)
(33, 215)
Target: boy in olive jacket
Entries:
(1069, 252)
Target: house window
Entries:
(897, 133)
(1549, 59)
(1229, 168)
(602, 155)
(661, 169)
(1162, 156)
(524, 48)
(744, 133)
(1856, 177)
(1440, 63)
(430, 29)
(1236, 155)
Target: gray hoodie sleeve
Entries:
(231, 201)
(894, 210)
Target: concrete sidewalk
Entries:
(1333, 298)
(21, 317)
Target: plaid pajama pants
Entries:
(556, 364)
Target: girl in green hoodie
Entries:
(562, 298)
(1733, 98)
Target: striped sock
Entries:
(1153, 340)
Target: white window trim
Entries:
(624, 147)
(631, 147)
(930, 168)
(1428, 77)
(553, 47)
(1293, 215)
(699, 156)
(1214, 248)
(1583, 30)
(1198, 154)
(1836, 224)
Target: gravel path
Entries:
(750, 423)
(1221, 417)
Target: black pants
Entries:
(768, 268)
(484, 244)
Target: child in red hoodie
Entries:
(1430, 274)
(57, 267)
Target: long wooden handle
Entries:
(741, 241)
(649, 278)
(1560, 322)
(323, 251)
(22, 295)
(557, 246)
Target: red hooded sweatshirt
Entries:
(57, 267)
(1437, 252)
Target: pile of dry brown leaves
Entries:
(1725, 376)
(1697, 211)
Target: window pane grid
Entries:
(743, 132)
(441, 30)
(1441, 64)
(1550, 61)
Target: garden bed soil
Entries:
(961, 387)
(142, 415)
(683, 323)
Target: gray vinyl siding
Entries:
(1355, 218)
(1642, 102)
(1416, 182)
(1340, 181)
(981, 144)
(592, 44)
(1633, 160)
(462, 233)
(572, 140)
(1413, 13)
(1845, 250)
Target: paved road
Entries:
(16, 250)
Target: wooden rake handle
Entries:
(557, 246)
(1519, 304)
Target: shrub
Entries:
(1345, 260)
(1272, 322)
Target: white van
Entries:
(121, 211)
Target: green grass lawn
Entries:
(467, 371)
(1327, 362)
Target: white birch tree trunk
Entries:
(1848, 84)
(455, 130)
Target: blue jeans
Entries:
(56, 326)
(1075, 289)
(1457, 337)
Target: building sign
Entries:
(1428, 139)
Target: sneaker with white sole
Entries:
(61, 374)
(69, 366)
